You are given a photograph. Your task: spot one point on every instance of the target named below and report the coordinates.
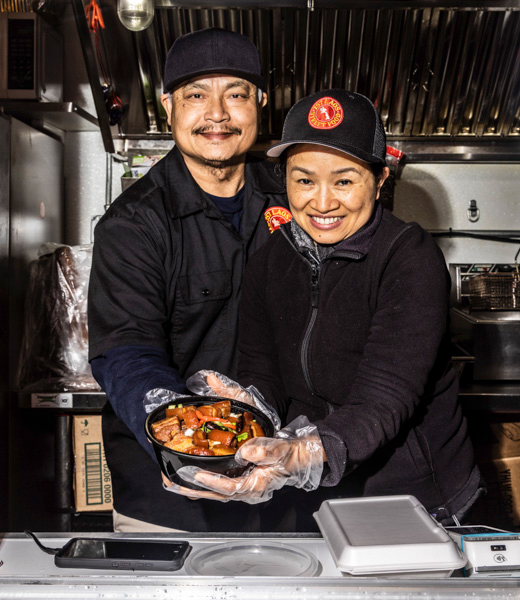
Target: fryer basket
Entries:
(494, 291)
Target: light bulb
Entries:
(135, 15)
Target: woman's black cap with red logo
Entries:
(210, 51)
(338, 119)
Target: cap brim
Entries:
(253, 78)
(277, 149)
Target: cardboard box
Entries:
(497, 453)
(92, 481)
(494, 440)
(501, 506)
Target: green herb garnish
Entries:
(223, 427)
(242, 436)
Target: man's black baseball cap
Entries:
(338, 119)
(212, 50)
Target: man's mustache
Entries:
(232, 130)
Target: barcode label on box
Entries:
(92, 481)
(93, 473)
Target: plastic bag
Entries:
(54, 352)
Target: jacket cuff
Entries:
(337, 455)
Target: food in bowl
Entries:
(207, 430)
(171, 461)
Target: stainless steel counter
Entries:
(27, 572)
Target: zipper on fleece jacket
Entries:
(315, 293)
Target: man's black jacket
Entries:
(167, 274)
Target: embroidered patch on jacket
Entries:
(276, 216)
(325, 113)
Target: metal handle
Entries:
(473, 211)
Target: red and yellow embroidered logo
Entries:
(276, 216)
(325, 113)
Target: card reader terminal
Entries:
(490, 552)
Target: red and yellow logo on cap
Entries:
(276, 216)
(325, 113)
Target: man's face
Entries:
(214, 118)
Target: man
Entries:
(167, 268)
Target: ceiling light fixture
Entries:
(135, 15)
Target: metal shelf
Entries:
(69, 401)
(491, 396)
(65, 116)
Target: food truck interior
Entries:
(80, 120)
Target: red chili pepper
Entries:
(205, 419)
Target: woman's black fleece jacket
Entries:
(359, 343)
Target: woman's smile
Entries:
(326, 222)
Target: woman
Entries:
(344, 319)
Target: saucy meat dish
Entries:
(209, 430)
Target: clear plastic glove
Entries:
(159, 396)
(294, 457)
(212, 383)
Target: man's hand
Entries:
(189, 493)
(228, 485)
(212, 383)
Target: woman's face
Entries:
(331, 194)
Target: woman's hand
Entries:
(294, 457)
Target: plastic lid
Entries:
(386, 534)
(270, 559)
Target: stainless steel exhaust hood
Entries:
(444, 76)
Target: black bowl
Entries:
(171, 461)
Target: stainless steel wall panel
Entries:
(462, 104)
(300, 54)
(277, 70)
(405, 76)
(511, 112)
(420, 62)
(146, 77)
(313, 35)
(262, 23)
(426, 110)
(505, 89)
(432, 71)
(438, 197)
(388, 96)
(155, 48)
(354, 43)
(490, 55)
(328, 34)
(5, 145)
(289, 57)
(379, 77)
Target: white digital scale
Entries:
(490, 552)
